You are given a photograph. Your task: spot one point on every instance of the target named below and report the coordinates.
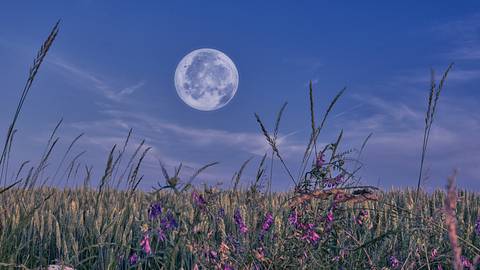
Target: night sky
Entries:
(112, 68)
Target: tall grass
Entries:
(433, 97)
(66, 229)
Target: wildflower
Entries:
(221, 212)
(293, 218)
(330, 216)
(329, 220)
(466, 262)
(145, 244)
(227, 267)
(212, 255)
(169, 221)
(307, 226)
(477, 226)
(433, 254)
(439, 267)
(239, 221)
(361, 217)
(133, 259)
(154, 211)
(333, 182)
(311, 236)
(161, 234)
(319, 160)
(198, 200)
(267, 222)
(394, 262)
(233, 241)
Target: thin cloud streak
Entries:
(90, 80)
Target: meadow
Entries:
(328, 220)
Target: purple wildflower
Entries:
(212, 255)
(267, 222)
(227, 267)
(154, 210)
(161, 234)
(198, 200)
(221, 212)
(466, 262)
(293, 218)
(477, 226)
(361, 217)
(319, 160)
(169, 221)
(307, 226)
(311, 236)
(239, 221)
(330, 216)
(433, 254)
(145, 243)
(133, 259)
(394, 262)
(333, 182)
(329, 220)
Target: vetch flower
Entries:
(212, 255)
(169, 221)
(133, 259)
(330, 216)
(361, 217)
(319, 160)
(311, 236)
(466, 262)
(154, 210)
(221, 212)
(267, 222)
(239, 221)
(394, 262)
(293, 218)
(433, 254)
(333, 182)
(307, 226)
(161, 234)
(145, 244)
(198, 200)
(329, 220)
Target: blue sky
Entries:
(112, 65)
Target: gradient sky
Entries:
(112, 65)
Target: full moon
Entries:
(206, 79)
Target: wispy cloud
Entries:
(464, 34)
(393, 153)
(175, 143)
(253, 143)
(86, 79)
(423, 77)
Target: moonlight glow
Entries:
(206, 79)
